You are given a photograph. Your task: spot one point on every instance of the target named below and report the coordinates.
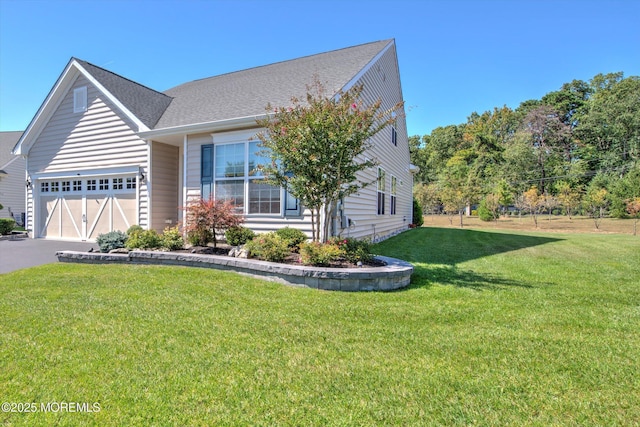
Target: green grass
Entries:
(497, 328)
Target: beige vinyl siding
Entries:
(382, 81)
(100, 137)
(12, 188)
(165, 163)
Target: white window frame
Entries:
(80, 99)
(246, 179)
(393, 205)
(381, 191)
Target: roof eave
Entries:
(53, 99)
(213, 126)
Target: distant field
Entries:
(555, 223)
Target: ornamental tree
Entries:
(316, 147)
(206, 219)
(633, 208)
(533, 201)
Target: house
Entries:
(12, 182)
(104, 152)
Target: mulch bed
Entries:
(293, 258)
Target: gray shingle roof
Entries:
(8, 140)
(239, 94)
(247, 93)
(146, 104)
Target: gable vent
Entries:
(80, 99)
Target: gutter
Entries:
(228, 124)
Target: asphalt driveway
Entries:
(19, 253)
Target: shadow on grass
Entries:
(436, 252)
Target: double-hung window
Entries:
(263, 198)
(381, 190)
(394, 185)
(231, 171)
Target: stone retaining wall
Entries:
(394, 275)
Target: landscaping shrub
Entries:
(268, 247)
(134, 229)
(145, 239)
(484, 213)
(354, 250)
(111, 240)
(172, 239)
(205, 218)
(293, 236)
(6, 225)
(239, 235)
(319, 254)
(418, 219)
(200, 237)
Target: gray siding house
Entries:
(103, 152)
(12, 178)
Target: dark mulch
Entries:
(293, 258)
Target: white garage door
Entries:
(81, 209)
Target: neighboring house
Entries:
(12, 182)
(104, 153)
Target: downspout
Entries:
(148, 184)
(184, 178)
(27, 218)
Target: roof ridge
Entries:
(81, 61)
(279, 62)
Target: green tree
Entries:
(547, 135)
(438, 148)
(418, 155)
(459, 186)
(623, 189)
(317, 147)
(489, 208)
(427, 195)
(504, 192)
(610, 124)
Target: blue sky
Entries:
(455, 56)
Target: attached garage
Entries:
(82, 208)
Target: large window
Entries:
(231, 171)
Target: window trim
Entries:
(80, 99)
(381, 191)
(393, 205)
(210, 178)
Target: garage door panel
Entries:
(98, 215)
(124, 211)
(50, 214)
(84, 209)
(71, 212)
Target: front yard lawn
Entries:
(497, 328)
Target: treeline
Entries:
(576, 150)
